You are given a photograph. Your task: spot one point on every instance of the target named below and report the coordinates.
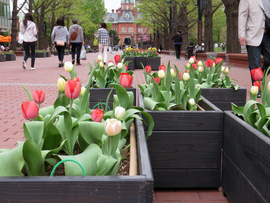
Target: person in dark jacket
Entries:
(177, 44)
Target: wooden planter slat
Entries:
(41, 55)
(85, 189)
(138, 61)
(131, 64)
(248, 150)
(154, 62)
(10, 57)
(185, 147)
(2, 57)
(223, 97)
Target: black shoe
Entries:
(60, 65)
(259, 94)
(73, 61)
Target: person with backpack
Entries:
(177, 44)
(76, 40)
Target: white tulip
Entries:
(172, 73)
(192, 101)
(191, 60)
(119, 112)
(82, 91)
(68, 66)
(200, 69)
(99, 58)
(254, 90)
(119, 65)
(188, 65)
(161, 74)
(101, 65)
(200, 63)
(186, 76)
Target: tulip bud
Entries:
(222, 69)
(61, 84)
(101, 65)
(200, 63)
(268, 86)
(192, 101)
(161, 74)
(191, 60)
(120, 66)
(29, 110)
(113, 126)
(186, 76)
(254, 90)
(68, 66)
(97, 115)
(226, 70)
(110, 63)
(172, 73)
(38, 96)
(214, 65)
(119, 112)
(200, 69)
(188, 65)
(82, 91)
(100, 58)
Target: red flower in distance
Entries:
(97, 115)
(257, 74)
(193, 58)
(207, 65)
(194, 66)
(218, 60)
(157, 80)
(126, 67)
(180, 76)
(38, 96)
(125, 80)
(162, 67)
(29, 110)
(210, 62)
(257, 83)
(148, 69)
(72, 89)
(117, 59)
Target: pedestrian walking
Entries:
(177, 44)
(76, 40)
(104, 40)
(59, 37)
(29, 31)
(252, 33)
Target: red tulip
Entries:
(29, 110)
(257, 83)
(180, 75)
(257, 74)
(136, 50)
(126, 67)
(218, 60)
(38, 96)
(117, 59)
(187, 71)
(72, 89)
(156, 53)
(162, 67)
(148, 69)
(157, 80)
(197, 61)
(97, 115)
(78, 79)
(125, 80)
(210, 62)
(194, 66)
(207, 64)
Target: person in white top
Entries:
(29, 30)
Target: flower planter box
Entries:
(55, 53)
(223, 97)
(48, 54)
(131, 64)
(246, 162)
(139, 61)
(185, 147)
(99, 95)
(41, 55)
(2, 57)
(111, 189)
(10, 57)
(154, 62)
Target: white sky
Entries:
(112, 4)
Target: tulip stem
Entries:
(111, 140)
(70, 107)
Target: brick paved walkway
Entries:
(45, 77)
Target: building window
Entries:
(140, 30)
(127, 17)
(127, 7)
(124, 29)
(130, 29)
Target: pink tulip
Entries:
(97, 115)
(29, 110)
(117, 59)
(218, 60)
(38, 96)
(113, 126)
(210, 62)
(257, 74)
(157, 80)
(162, 67)
(125, 80)
(72, 89)
(180, 76)
(194, 66)
(148, 69)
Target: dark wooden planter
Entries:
(223, 97)
(41, 55)
(131, 64)
(99, 95)
(48, 54)
(246, 162)
(67, 52)
(113, 189)
(154, 62)
(139, 61)
(2, 57)
(55, 53)
(10, 57)
(185, 147)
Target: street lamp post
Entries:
(132, 38)
(201, 6)
(141, 41)
(170, 22)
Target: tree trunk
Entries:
(30, 6)
(14, 26)
(208, 28)
(41, 29)
(231, 11)
(183, 24)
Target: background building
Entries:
(5, 18)
(123, 23)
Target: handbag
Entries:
(74, 34)
(20, 36)
(83, 54)
(60, 43)
(96, 41)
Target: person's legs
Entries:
(266, 52)
(177, 53)
(33, 53)
(254, 58)
(105, 53)
(73, 47)
(58, 48)
(79, 47)
(26, 50)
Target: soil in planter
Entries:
(123, 170)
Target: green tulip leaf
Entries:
(34, 131)
(122, 93)
(150, 122)
(46, 110)
(105, 164)
(52, 137)
(29, 94)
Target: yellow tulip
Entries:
(61, 84)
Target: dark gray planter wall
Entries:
(139, 62)
(2, 57)
(154, 62)
(223, 97)
(104, 189)
(131, 64)
(246, 162)
(10, 57)
(185, 147)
